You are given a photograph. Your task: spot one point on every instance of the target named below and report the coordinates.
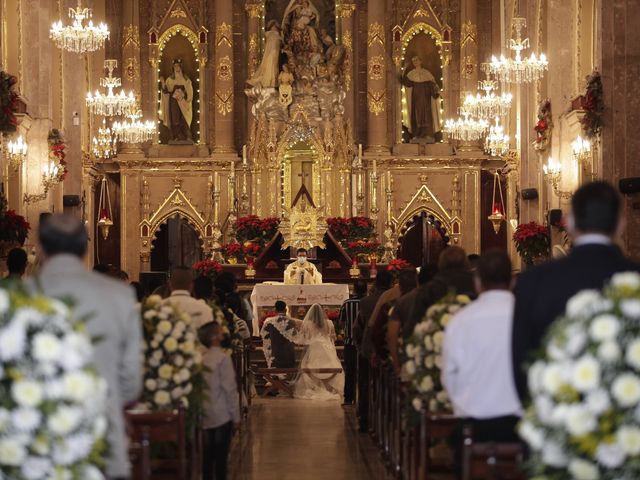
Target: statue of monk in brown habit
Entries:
(422, 97)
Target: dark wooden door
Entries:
(421, 242)
(176, 244)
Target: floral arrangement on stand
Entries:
(583, 422)
(423, 359)
(8, 103)
(533, 242)
(254, 229)
(345, 229)
(544, 126)
(57, 153)
(232, 339)
(363, 250)
(173, 374)
(52, 401)
(13, 227)
(593, 106)
(232, 252)
(207, 268)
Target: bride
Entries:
(318, 334)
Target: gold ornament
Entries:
(376, 67)
(224, 34)
(376, 101)
(376, 34)
(224, 102)
(345, 10)
(225, 69)
(303, 226)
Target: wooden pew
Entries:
(140, 455)
(274, 376)
(491, 460)
(434, 428)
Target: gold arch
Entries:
(155, 226)
(408, 218)
(178, 29)
(421, 27)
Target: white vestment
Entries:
(307, 274)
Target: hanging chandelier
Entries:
(17, 152)
(111, 104)
(78, 37)
(105, 215)
(517, 70)
(134, 130)
(496, 143)
(104, 145)
(466, 129)
(497, 208)
(488, 105)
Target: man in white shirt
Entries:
(181, 284)
(476, 355)
(302, 272)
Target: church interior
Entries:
(303, 147)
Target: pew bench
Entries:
(492, 461)
(280, 378)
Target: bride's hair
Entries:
(316, 316)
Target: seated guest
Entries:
(231, 307)
(221, 410)
(181, 284)
(476, 356)
(302, 271)
(227, 283)
(16, 263)
(542, 292)
(278, 338)
(347, 318)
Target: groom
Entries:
(278, 334)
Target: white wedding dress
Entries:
(319, 334)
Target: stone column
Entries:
(376, 78)
(130, 71)
(255, 11)
(223, 120)
(345, 13)
(469, 47)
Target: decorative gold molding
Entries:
(345, 10)
(224, 34)
(224, 102)
(131, 36)
(468, 66)
(253, 53)
(254, 10)
(347, 42)
(376, 67)
(376, 101)
(421, 12)
(225, 69)
(469, 33)
(376, 34)
(178, 12)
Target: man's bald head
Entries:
(63, 234)
(181, 279)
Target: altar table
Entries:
(264, 296)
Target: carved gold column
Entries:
(469, 47)
(255, 11)
(232, 195)
(388, 224)
(345, 13)
(217, 233)
(223, 128)
(376, 78)
(373, 189)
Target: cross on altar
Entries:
(302, 176)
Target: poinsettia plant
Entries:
(363, 249)
(13, 227)
(8, 103)
(593, 106)
(532, 241)
(252, 228)
(232, 251)
(207, 268)
(57, 153)
(398, 264)
(543, 126)
(346, 229)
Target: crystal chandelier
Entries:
(517, 70)
(104, 145)
(465, 129)
(134, 130)
(111, 104)
(488, 105)
(78, 37)
(17, 152)
(496, 143)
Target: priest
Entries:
(302, 272)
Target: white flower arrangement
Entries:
(172, 363)
(52, 401)
(584, 419)
(423, 359)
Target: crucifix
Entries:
(303, 175)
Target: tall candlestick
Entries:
(360, 151)
(389, 180)
(216, 182)
(375, 167)
(244, 155)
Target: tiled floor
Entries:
(299, 439)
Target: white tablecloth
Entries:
(266, 295)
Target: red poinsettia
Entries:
(593, 106)
(532, 241)
(351, 228)
(255, 229)
(231, 250)
(13, 227)
(9, 103)
(207, 268)
(398, 264)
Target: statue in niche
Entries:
(176, 112)
(266, 76)
(423, 96)
(285, 90)
(300, 22)
(334, 56)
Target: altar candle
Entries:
(375, 167)
(360, 151)
(244, 155)
(389, 180)
(216, 182)
(232, 166)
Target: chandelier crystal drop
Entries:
(111, 104)
(466, 129)
(496, 143)
(134, 130)
(488, 105)
(104, 145)
(517, 70)
(79, 37)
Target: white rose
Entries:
(534, 377)
(610, 455)
(410, 367)
(629, 439)
(161, 398)
(446, 318)
(532, 435)
(580, 421)
(426, 385)
(544, 409)
(604, 327)
(4, 301)
(442, 396)
(576, 340)
(438, 361)
(36, 468)
(91, 472)
(187, 389)
(428, 342)
(176, 393)
(584, 303)
(78, 386)
(583, 470)
(598, 401)
(553, 454)
(428, 361)
(552, 378)
(11, 452)
(626, 389)
(629, 280)
(64, 420)
(46, 347)
(438, 337)
(12, 341)
(150, 384)
(170, 344)
(165, 371)
(609, 352)
(632, 355)
(149, 315)
(77, 351)
(26, 419)
(417, 404)
(410, 350)
(179, 360)
(559, 414)
(40, 445)
(27, 393)
(153, 362)
(157, 355)
(630, 308)
(153, 300)
(586, 374)
(100, 427)
(164, 327)
(185, 374)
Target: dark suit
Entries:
(542, 294)
(284, 352)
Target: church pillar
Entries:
(131, 80)
(345, 14)
(223, 123)
(376, 84)
(255, 11)
(469, 47)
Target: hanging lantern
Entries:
(497, 208)
(105, 217)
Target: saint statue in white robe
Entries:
(266, 76)
(176, 111)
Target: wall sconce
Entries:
(581, 148)
(51, 176)
(553, 174)
(17, 153)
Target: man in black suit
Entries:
(278, 336)
(542, 293)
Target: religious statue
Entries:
(422, 97)
(266, 75)
(285, 79)
(300, 23)
(302, 272)
(176, 112)
(334, 56)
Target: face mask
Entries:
(301, 260)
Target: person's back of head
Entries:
(493, 271)
(17, 262)
(453, 258)
(426, 273)
(209, 334)
(359, 288)
(384, 279)
(63, 234)
(595, 209)
(203, 287)
(280, 306)
(407, 279)
(226, 282)
(473, 258)
(140, 291)
(233, 301)
(181, 279)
